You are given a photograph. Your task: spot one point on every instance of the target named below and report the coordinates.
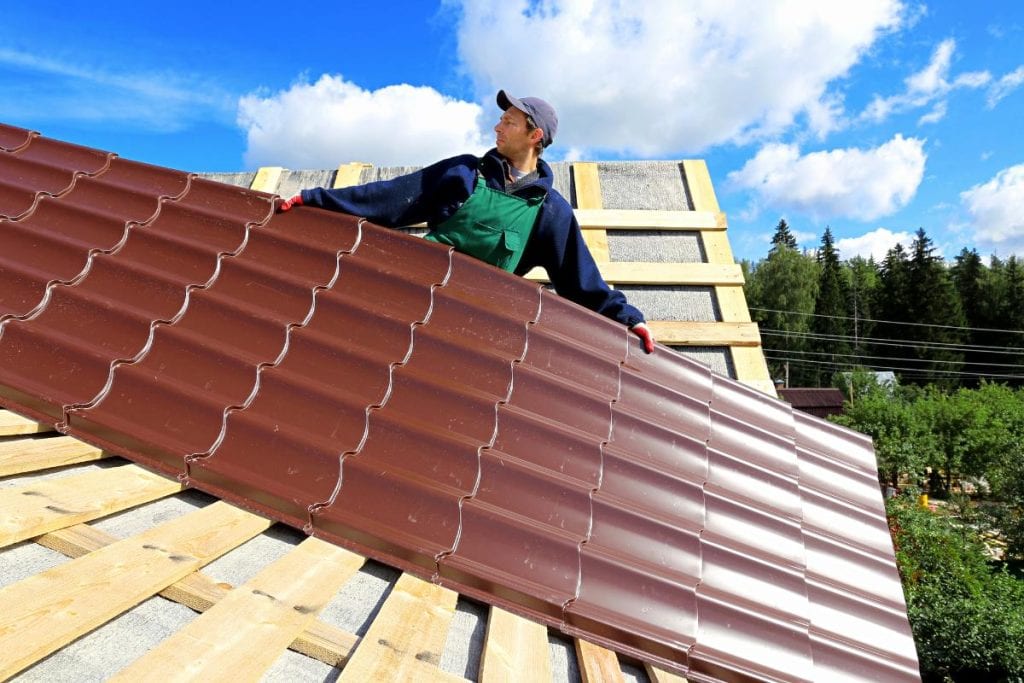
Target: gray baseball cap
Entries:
(542, 113)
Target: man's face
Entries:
(512, 137)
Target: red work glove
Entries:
(640, 330)
(287, 204)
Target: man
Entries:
(500, 208)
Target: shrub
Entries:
(967, 617)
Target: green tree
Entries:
(861, 285)
(935, 306)
(830, 325)
(783, 286)
(892, 305)
(969, 277)
(967, 619)
(1002, 304)
(1012, 318)
(903, 440)
(783, 236)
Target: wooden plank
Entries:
(405, 641)
(732, 305)
(45, 612)
(587, 185)
(242, 636)
(690, 333)
(349, 174)
(320, 640)
(42, 506)
(12, 424)
(752, 369)
(716, 247)
(748, 361)
(698, 180)
(268, 179)
(696, 274)
(597, 665)
(32, 455)
(514, 646)
(648, 219)
(661, 676)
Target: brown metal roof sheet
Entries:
(435, 413)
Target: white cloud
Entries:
(161, 101)
(654, 77)
(322, 124)
(932, 78)
(937, 113)
(875, 243)
(862, 184)
(995, 212)
(826, 116)
(1004, 86)
(929, 86)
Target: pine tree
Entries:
(783, 237)
(830, 324)
(861, 284)
(1012, 319)
(933, 300)
(891, 302)
(969, 277)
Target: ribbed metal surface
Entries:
(450, 419)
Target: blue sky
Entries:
(874, 118)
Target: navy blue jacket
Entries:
(435, 192)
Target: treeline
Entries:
(915, 315)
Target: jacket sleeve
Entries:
(574, 274)
(405, 200)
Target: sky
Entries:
(873, 118)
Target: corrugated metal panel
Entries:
(651, 185)
(450, 419)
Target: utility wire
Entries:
(887, 322)
(910, 372)
(909, 360)
(883, 341)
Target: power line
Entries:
(909, 372)
(903, 343)
(887, 322)
(909, 360)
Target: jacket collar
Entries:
(546, 177)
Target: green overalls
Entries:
(491, 225)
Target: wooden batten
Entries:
(748, 362)
(46, 611)
(349, 174)
(12, 424)
(268, 179)
(648, 219)
(587, 185)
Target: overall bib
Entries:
(491, 225)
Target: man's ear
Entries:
(536, 135)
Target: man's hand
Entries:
(287, 204)
(640, 330)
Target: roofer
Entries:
(509, 188)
